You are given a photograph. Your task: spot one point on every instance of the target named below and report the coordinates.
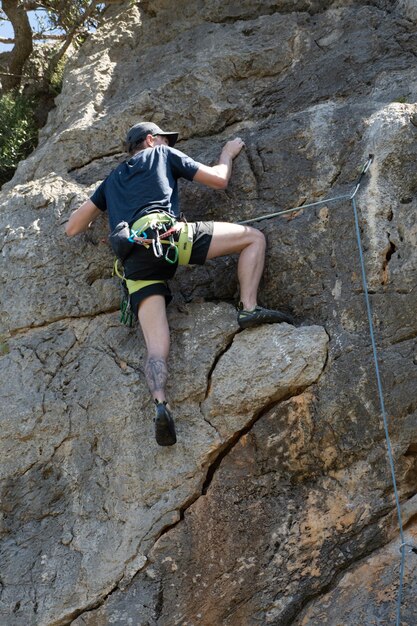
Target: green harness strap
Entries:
(184, 245)
(135, 285)
(146, 220)
(132, 285)
(185, 240)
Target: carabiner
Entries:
(157, 246)
(136, 236)
(171, 246)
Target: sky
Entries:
(6, 29)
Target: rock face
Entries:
(276, 505)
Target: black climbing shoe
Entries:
(259, 315)
(164, 425)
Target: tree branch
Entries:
(70, 36)
(36, 37)
(23, 45)
(32, 5)
(59, 13)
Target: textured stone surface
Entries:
(85, 486)
(278, 497)
(368, 593)
(274, 359)
(271, 532)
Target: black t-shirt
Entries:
(146, 181)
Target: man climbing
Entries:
(141, 198)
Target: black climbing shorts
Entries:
(202, 236)
(147, 275)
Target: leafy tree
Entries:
(18, 132)
(24, 100)
(73, 20)
(13, 11)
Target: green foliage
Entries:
(21, 116)
(18, 132)
(64, 16)
(401, 100)
(4, 348)
(55, 81)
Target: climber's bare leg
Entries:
(250, 244)
(153, 320)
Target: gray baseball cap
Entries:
(138, 132)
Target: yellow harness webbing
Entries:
(133, 285)
(185, 240)
(143, 223)
(184, 245)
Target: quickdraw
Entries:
(126, 312)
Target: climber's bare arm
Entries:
(81, 218)
(218, 176)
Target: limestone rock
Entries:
(77, 445)
(276, 357)
(279, 484)
(367, 594)
(270, 531)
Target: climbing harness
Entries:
(160, 228)
(154, 230)
(351, 197)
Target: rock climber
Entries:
(141, 194)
